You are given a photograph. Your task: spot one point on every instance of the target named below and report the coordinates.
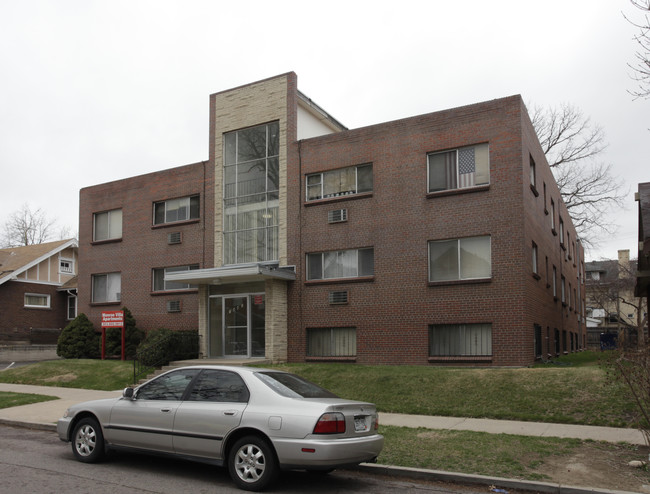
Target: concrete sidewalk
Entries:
(44, 416)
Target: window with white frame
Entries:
(459, 168)
(107, 225)
(353, 263)
(460, 340)
(554, 282)
(460, 259)
(66, 266)
(72, 307)
(251, 176)
(342, 182)
(37, 301)
(331, 342)
(159, 283)
(107, 287)
(173, 210)
(535, 254)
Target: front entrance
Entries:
(237, 323)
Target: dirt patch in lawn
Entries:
(600, 465)
(62, 378)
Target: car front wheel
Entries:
(252, 463)
(88, 441)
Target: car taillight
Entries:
(330, 423)
(377, 422)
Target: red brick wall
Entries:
(541, 307)
(392, 313)
(144, 246)
(18, 322)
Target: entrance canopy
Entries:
(233, 274)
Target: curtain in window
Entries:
(114, 287)
(364, 178)
(115, 224)
(443, 260)
(475, 258)
(340, 182)
(342, 264)
(442, 171)
(332, 342)
(457, 340)
(482, 157)
(101, 226)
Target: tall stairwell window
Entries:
(251, 200)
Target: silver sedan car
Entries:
(253, 421)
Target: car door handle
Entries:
(230, 413)
(165, 410)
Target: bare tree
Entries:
(572, 145)
(27, 227)
(641, 67)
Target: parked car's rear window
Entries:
(293, 386)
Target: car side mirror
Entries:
(128, 393)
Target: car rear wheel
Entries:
(88, 441)
(252, 463)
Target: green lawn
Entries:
(576, 394)
(581, 393)
(107, 375)
(573, 390)
(9, 399)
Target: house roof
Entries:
(608, 269)
(71, 284)
(17, 260)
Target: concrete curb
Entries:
(468, 479)
(420, 473)
(29, 425)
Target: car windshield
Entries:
(293, 386)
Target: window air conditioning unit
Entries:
(174, 238)
(337, 216)
(338, 297)
(174, 306)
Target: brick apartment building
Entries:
(436, 239)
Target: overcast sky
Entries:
(95, 91)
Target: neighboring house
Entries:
(436, 239)
(612, 306)
(38, 291)
(642, 288)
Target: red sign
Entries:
(113, 319)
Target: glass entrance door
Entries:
(237, 325)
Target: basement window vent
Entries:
(338, 297)
(174, 238)
(174, 306)
(337, 216)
